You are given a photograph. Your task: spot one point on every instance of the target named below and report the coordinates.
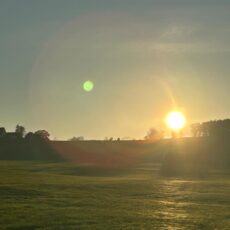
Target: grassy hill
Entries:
(176, 156)
(171, 184)
(41, 195)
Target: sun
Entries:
(176, 120)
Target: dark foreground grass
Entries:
(63, 196)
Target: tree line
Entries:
(20, 132)
(211, 128)
(216, 128)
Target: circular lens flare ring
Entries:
(88, 86)
(176, 120)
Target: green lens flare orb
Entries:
(88, 86)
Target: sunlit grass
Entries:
(64, 196)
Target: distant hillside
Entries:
(176, 155)
(25, 150)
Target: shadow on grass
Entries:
(32, 227)
(94, 171)
(82, 170)
(97, 171)
(6, 191)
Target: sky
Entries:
(145, 59)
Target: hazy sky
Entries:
(144, 57)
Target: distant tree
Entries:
(2, 132)
(195, 129)
(20, 130)
(154, 135)
(29, 135)
(43, 134)
(126, 138)
(218, 128)
(81, 138)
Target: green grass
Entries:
(38, 195)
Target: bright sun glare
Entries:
(176, 120)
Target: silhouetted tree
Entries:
(20, 130)
(195, 129)
(154, 135)
(43, 134)
(81, 138)
(218, 128)
(29, 136)
(2, 132)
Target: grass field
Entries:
(38, 195)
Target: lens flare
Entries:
(176, 120)
(88, 86)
